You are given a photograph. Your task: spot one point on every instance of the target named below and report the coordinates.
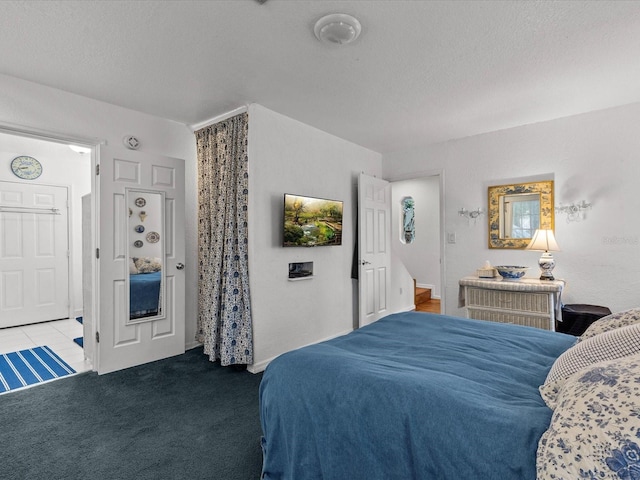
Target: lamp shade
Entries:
(544, 241)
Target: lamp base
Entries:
(546, 263)
(547, 276)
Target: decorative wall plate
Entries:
(138, 243)
(139, 228)
(153, 237)
(140, 202)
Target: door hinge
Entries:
(97, 337)
(97, 169)
(97, 253)
(68, 253)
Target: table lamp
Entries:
(544, 241)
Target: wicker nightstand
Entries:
(528, 301)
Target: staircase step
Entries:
(422, 295)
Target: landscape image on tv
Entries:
(311, 222)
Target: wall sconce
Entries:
(470, 214)
(575, 211)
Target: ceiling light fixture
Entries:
(337, 29)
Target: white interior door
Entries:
(121, 343)
(374, 246)
(34, 253)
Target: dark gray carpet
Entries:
(179, 418)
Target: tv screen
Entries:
(311, 222)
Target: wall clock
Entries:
(25, 167)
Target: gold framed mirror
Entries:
(517, 211)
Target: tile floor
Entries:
(58, 335)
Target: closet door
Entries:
(34, 253)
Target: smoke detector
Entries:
(337, 29)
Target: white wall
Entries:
(34, 106)
(594, 156)
(286, 156)
(422, 257)
(60, 167)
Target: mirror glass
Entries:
(145, 246)
(408, 220)
(517, 211)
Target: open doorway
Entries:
(47, 310)
(420, 252)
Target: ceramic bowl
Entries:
(511, 272)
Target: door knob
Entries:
(364, 262)
(180, 266)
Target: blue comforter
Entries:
(144, 294)
(411, 396)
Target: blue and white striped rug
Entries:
(30, 366)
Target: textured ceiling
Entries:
(421, 72)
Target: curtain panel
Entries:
(224, 306)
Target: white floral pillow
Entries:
(148, 264)
(610, 345)
(611, 322)
(595, 429)
(133, 270)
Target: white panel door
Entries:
(123, 344)
(34, 253)
(374, 246)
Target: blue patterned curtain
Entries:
(224, 307)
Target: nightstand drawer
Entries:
(506, 300)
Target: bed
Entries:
(411, 396)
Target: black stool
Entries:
(577, 317)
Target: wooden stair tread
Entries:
(422, 295)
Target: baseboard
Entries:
(261, 366)
(192, 345)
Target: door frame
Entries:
(93, 144)
(442, 235)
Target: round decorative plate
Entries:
(153, 237)
(138, 243)
(139, 228)
(25, 167)
(140, 202)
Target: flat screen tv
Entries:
(311, 222)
